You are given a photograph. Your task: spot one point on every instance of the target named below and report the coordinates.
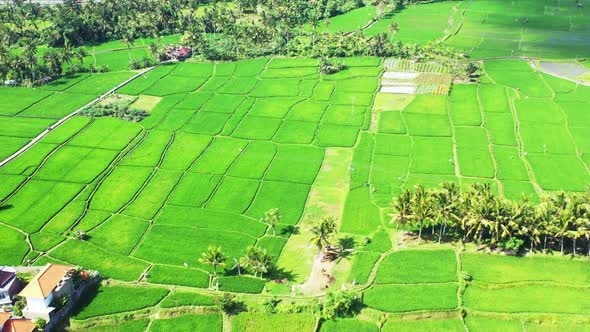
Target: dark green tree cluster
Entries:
(477, 214)
(215, 30)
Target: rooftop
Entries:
(44, 282)
(4, 316)
(19, 325)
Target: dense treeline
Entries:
(215, 30)
(477, 214)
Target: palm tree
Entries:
(394, 29)
(402, 207)
(154, 49)
(481, 204)
(545, 217)
(421, 207)
(238, 265)
(322, 232)
(525, 216)
(263, 263)
(128, 40)
(80, 54)
(52, 60)
(564, 215)
(213, 257)
(445, 201)
(271, 218)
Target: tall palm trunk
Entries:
(479, 239)
(574, 243)
(440, 232)
(402, 237)
(561, 244)
(420, 232)
(544, 243)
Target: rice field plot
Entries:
(47, 196)
(277, 322)
(179, 299)
(181, 276)
(484, 324)
(115, 299)
(153, 196)
(138, 86)
(15, 100)
(119, 234)
(184, 216)
(170, 84)
(98, 84)
(108, 263)
(506, 269)
(156, 246)
(493, 28)
(464, 105)
(13, 248)
(530, 84)
(288, 197)
(138, 325)
(451, 324)
(118, 189)
(58, 105)
(573, 175)
(106, 133)
(417, 24)
(418, 266)
(76, 164)
(348, 325)
(120, 60)
(432, 156)
(187, 323)
(23, 128)
(347, 22)
(528, 299)
(150, 150)
(407, 298)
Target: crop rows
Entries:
(523, 28)
(509, 134)
(203, 170)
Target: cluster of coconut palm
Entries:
(478, 214)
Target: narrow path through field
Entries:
(318, 280)
(67, 117)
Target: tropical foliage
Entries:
(50, 37)
(477, 214)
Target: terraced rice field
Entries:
(523, 28)
(227, 142)
(512, 131)
(481, 28)
(203, 168)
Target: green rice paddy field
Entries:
(482, 28)
(228, 141)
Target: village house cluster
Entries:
(30, 308)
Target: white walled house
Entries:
(9, 285)
(53, 281)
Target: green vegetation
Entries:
(115, 299)
(265, 322)
(212, 322)
(240, 171)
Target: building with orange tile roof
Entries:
(4, 317)
(19, 325)
(53, 281)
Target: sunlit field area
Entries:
(439, 186)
